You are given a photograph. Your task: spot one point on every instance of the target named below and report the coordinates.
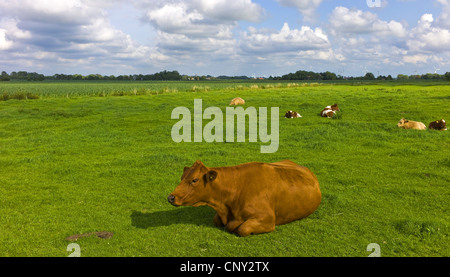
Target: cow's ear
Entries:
(210, 176)
(185, 171)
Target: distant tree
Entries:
(94, 77)
(123, 78)
(4, 76)
(170, 75)
(33, 76)
(402, 77)
(303, 75)
(447, 76)
(432, 76)
(77, 77)
(328, 76)
(22, 75)
(369, 76)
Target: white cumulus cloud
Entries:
(4, 42)
(427, 37)
(180, 19)
(284, 40)
(63, 31)
(352, 21)
(236, 10)
(306, 7)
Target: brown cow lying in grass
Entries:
(250, 198)
(237, 101)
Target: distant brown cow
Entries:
(329, 111)
(250, 198)
(237, 101)
(409, 124)
(292, 114)
(438, 125)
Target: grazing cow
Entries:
(237, 101)
(250, 198)
(329, 111)
(409, 124)
(292, 114)
(438, 125)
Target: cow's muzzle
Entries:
(171, 199)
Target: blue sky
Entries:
(223, 37)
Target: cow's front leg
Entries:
(232, 225)
(256, 226)
(218, 221)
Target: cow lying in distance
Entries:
(438, 125)
(237, 101)
(329, 111)
(292, 114)
(409, 124)
(250, 198)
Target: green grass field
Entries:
(89, 157)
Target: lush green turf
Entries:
(73, 163)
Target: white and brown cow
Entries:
(329, 111)
(292, 114)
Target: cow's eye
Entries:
(195, 181)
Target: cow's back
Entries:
(415, 125)
(292, 191)
(298, 193)
(237, 101)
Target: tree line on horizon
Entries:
(176, 76)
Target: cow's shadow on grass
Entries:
(200, 216)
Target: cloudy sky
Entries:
(225, 37)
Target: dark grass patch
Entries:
(420, 229)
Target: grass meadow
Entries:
(90, 157)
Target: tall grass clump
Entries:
(18, 96)
(200, 89)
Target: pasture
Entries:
(91, 157)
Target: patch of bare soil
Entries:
(102, 235)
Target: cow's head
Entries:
(194, 187)
(334, 107)
(402, 122)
